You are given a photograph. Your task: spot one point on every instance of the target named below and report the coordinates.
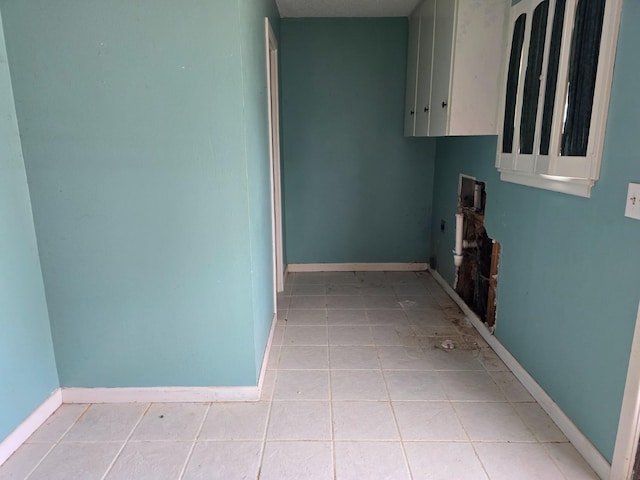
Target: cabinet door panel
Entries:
(442, 58)
(423, 103)
(412, 76)
(475, 92)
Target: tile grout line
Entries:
(464, 429)
(124, 444)
(470, 442)
(183, 470)
(556, 464)
(395, 418)
(537, 441)
(54, 445)
(512, 404)
(57, 442)
(263, 445)
(276, 371)
(331, 423)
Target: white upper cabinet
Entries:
(425, 15)
(441, 71)
(412, 77)
(555, 92)
(454, 67)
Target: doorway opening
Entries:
(274, 157)
(477, 278)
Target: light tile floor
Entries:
(357, 388)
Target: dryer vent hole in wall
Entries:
(477, 278)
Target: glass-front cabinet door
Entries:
(559, 62)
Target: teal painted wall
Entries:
(133, 117)
(256, 138)
(355, 189)
(27, 364)
(568, 292)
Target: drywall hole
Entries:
(477, 278)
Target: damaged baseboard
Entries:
(356, 267)
(590, 453)
(30, 425)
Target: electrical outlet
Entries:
(633, 201)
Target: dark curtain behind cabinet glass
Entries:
(583, 67)
(532, 77)
(552, 76)
(512, 84)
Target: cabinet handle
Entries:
(444, 104)
(412, 112)
(426, 109)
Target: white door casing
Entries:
(625, 451)
(274, 156)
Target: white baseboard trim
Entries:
(267, 352)
(356, 267)
(160, 395)
(30, 425)
(590, 453)
(173, 394)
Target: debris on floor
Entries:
(447, 345)
(407, 303)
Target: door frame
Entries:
(626, 447)
(273, 102)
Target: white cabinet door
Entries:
(427, 13)
(412, 76)
(442, 60)
(479, 43)
(454, 67)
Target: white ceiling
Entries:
(346, 8)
